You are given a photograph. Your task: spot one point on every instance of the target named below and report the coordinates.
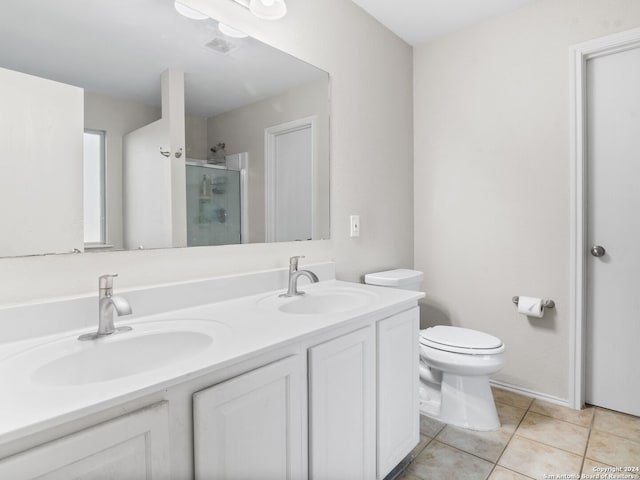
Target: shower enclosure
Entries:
(213, 205)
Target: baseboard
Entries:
(531, 393)
(400, 468)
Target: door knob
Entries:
(597, 250)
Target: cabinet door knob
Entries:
(598, 251)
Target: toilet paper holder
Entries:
(545, 303)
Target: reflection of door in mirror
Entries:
(290, 193)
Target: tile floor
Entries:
(537, 440)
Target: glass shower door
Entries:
(213, 206)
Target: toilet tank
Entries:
(402, 278)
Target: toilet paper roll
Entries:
(530, 306)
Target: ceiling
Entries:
(112, 47)
(420, 21)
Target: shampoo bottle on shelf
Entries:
(205, 187)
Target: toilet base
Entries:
(461, 401)
(430, 399)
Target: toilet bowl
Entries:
(455, 365)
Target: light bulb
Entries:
(268, 9)
(230, 31)
(189, 12)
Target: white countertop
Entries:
(252, 326)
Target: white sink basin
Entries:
(149, 346)
(321, 301)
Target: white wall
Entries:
(196, 137)
(371, 165)
(242, 130)
(117, 117)
(492, 177)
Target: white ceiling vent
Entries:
(221, 45)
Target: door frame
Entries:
(243, 169)
(270, 134)
(580, 54)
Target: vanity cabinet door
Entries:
(398, 380)
(254, 425)
(132, 446)
(342, 417)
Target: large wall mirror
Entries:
(126, 125)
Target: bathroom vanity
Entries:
(220, 378)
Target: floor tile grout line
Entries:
(516, 472)
(618, 436)
(563, 419)
(514, 430)
(465, 453)
(421, 450)
(434, 439)
(586, 447)
(590, 429)
(527, 410)
(542, 442)
(470, 453)
(551, 446)
(431, 439)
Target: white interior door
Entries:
(290, 152)
(613, 223)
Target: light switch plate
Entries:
(355, 226)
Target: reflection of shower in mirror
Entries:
(215, 203)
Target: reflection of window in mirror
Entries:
(94, 187)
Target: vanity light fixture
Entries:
(189, 12)
(265, 9)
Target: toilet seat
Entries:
(460, 340)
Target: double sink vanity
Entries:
(217, 379)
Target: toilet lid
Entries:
(457, 339)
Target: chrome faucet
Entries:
(294, 274)
(107, 303)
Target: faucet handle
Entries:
(293, 262)
(105, 282)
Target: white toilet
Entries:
(455, 365)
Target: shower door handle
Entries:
(598, 251)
